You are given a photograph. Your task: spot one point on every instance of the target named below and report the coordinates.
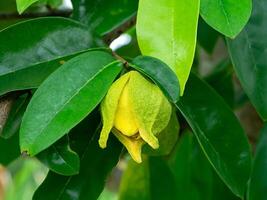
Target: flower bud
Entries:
(136, 111)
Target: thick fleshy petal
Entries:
(133, 146)
(149, 106)
(109, 107)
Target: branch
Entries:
(15, 15)
(109, 37)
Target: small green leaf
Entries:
(22, 5)
(65, 98)
(226, 16)
(249, 57)
(258, 183)
(25, 64)
(103, 16)
(160, 74)
(150, 180)
(167, 30)
(60, 158)
(218, 132)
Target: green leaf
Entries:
(194, 176)
(221, 79)
(218, 132)
(60, 158)
(150, 180)
(96, 164)
(65, 98)
(16, 113)
(22, 5)
(186, 162)
(9, 149)
(207, 37)
(160, 74)
(103, 16)
(258, 183)
(167, 30)
(226, 16)
(25, 64)
(249, 57)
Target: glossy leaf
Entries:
(60, 158)
(65, 98)
(25, 64)
(167, 30)
(34, 75)
(218, 131)
(194, 176)
(150, 180)
(103, 16)
(22, 5)
(258, 183)
(226, 16)
(96, 164)
(13, 121)
(160, 74)
(249, 57)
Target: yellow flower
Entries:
(136, 111)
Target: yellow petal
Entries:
(109, 106)
(133, 146)
(124, 118)
(149, 106)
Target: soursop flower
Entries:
(135, 111)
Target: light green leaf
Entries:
(226, 16)
(65, 98)
(167, 30)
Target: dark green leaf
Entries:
(194, 176)
(96, 164)
(218, 131)
(249, 56)
(103, 16)
(150, 180)
(16, 113)
(207, 37)
(192, 172)
(60, 158)
(34, 75)
(258, 183)
(226, 16)
(160, 74)
(65, 98)
(221, 79)
(9, 149)
(24, 64)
